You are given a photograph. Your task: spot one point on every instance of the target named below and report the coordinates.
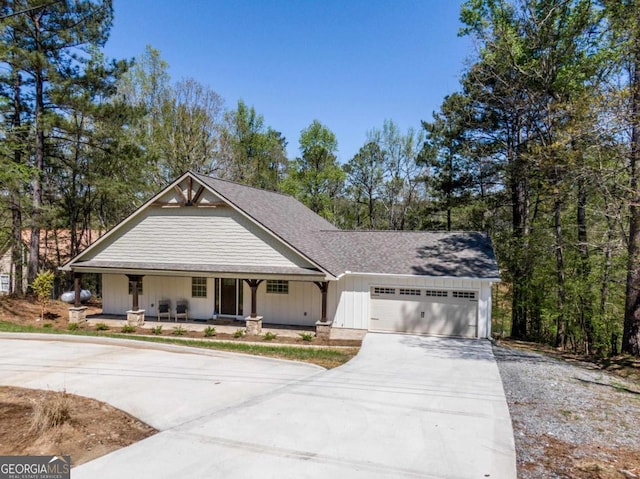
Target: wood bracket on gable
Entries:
(197, 196)
(191, 196)
(183, 199)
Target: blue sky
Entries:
(349, 63)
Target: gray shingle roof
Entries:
(467, 255)
(281, 214)
(459, 254)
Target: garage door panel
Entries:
(444, 316)
(452, 319)
(394, 315)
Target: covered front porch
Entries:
(285, 299)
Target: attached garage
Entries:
(427, 311)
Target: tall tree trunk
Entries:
(606, 280)
(584, 303)
(561, 288)
(449, 190)
(17, 245)
(521, 270)
(36, 184)
(631, 331)
(371, 204)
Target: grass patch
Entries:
(306, 336)
(209, 331)
(73, 326)
(128, 328)
(269, 336)
(327, 357)
(156, 330)
(102, 327)
(239, 333)
(9, 327)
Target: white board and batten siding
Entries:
(353, 306)
(117, 300)
(301, 306)
(193, 235)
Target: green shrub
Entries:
(306, 336)
(128, 328)
(47, 325)
(179, 331)
(157, 330)
(102, 327)
(239, 333)
(209, 331)
(43, 286)
(73, 326)
(268, 336)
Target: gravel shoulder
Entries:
(570, 419)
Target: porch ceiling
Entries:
(174, 269)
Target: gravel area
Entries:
(570, 419)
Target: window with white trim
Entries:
(277, 286)
(379, 291)
(409, 292)
(436, 293)
(198, 287)
(4, 283)
(464, 294)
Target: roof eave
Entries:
(492, 279)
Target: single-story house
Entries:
(231, 250)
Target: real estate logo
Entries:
(35, 467)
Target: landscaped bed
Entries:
(36, 422)
(23, 315)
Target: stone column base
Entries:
(254, 325)
(323, 329)
(135, 318)
(78, 314)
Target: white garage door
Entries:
(415, 310)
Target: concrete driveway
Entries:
(406, 406)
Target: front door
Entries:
(228, 297)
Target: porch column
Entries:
(323, 327)
(135, 316)
(254, 322)
(253, 284)
(77, 287)
(77, 313)
(134, 279)
(324, 287)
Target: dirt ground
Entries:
(27, 311)
(591, 461)
(93, 428)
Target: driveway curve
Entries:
(406, 406)
(162, 385)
